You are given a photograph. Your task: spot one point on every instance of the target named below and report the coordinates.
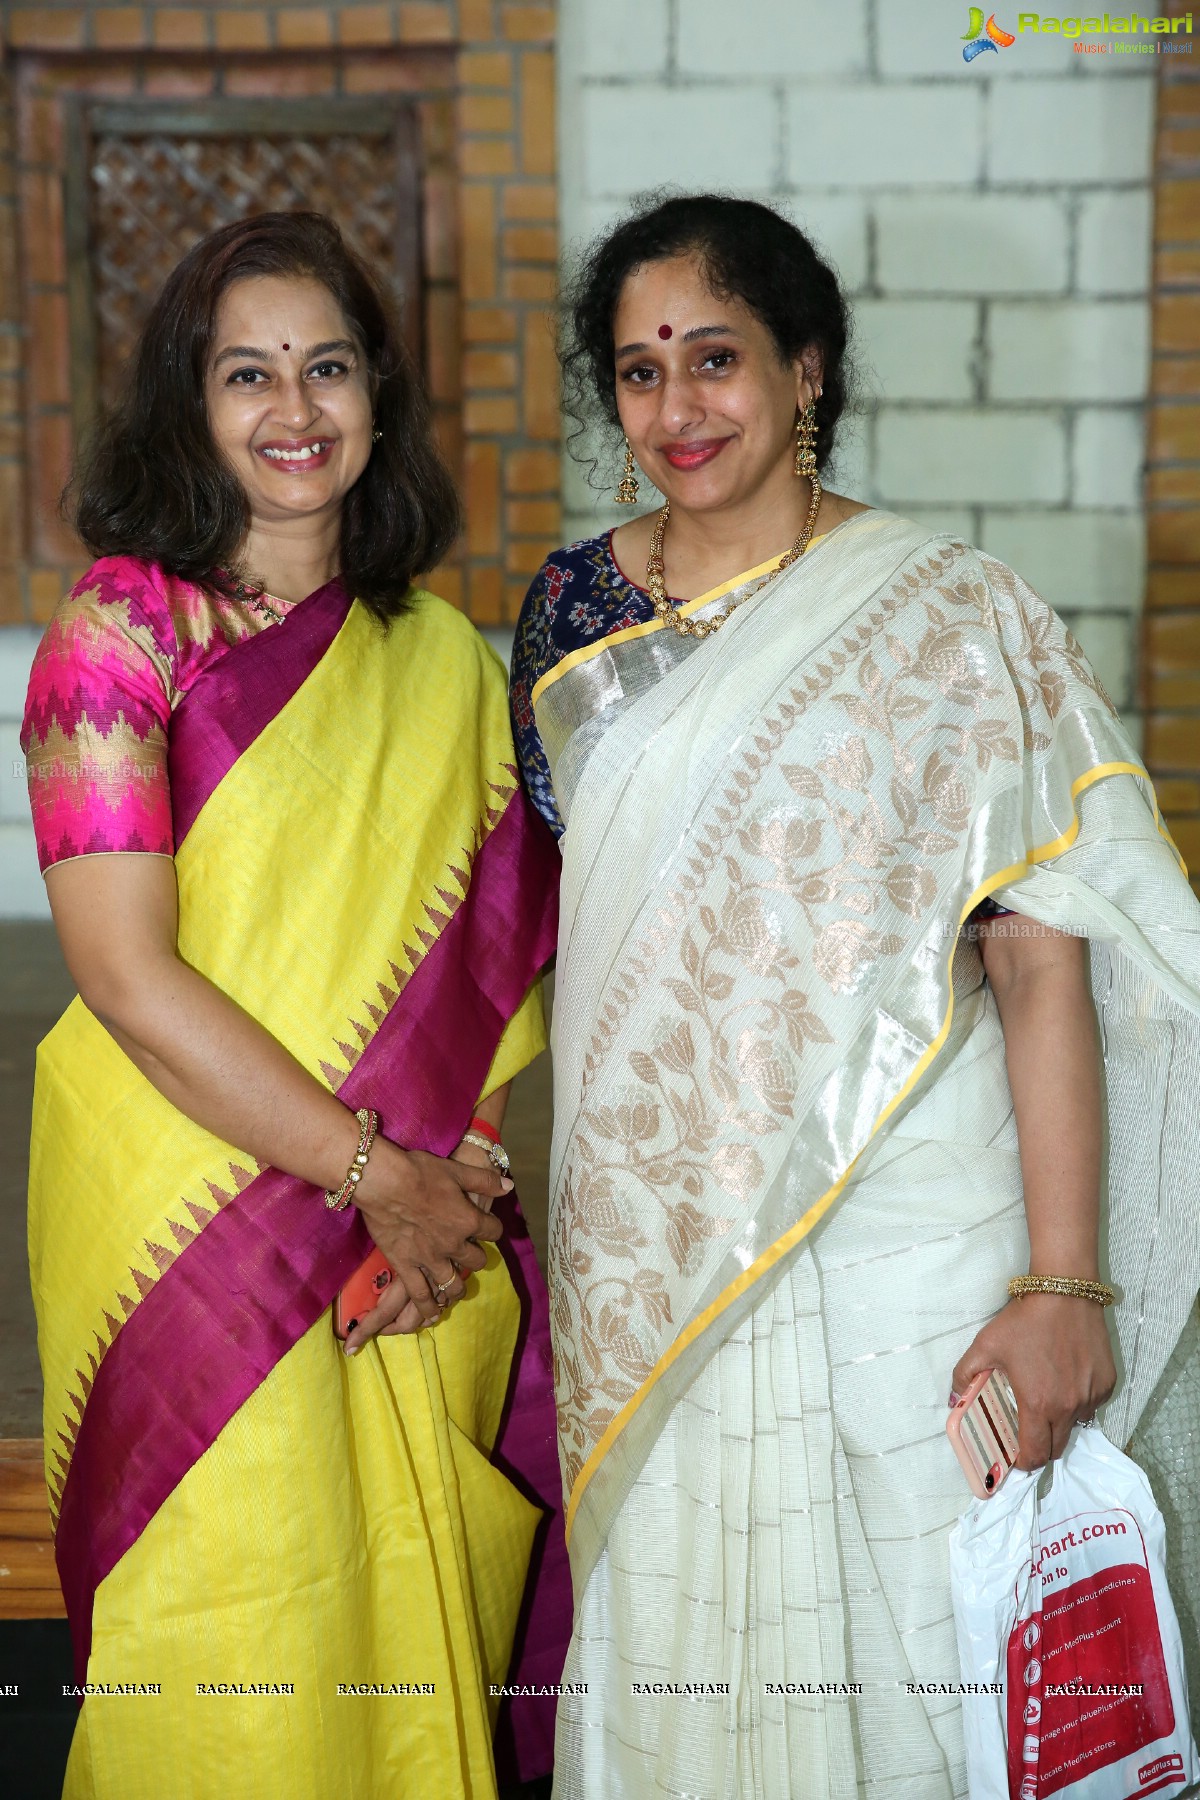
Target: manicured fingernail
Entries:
(954, 1398)
(507, 1186)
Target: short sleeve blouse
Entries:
(119, 654)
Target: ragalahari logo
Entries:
(983, 37)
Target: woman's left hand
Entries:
(1056, 1352)
(396, 1315)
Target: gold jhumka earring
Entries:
(806, 441)
(627, 492)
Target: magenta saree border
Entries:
(526, 1450)
(269, 1264)
(236, 697)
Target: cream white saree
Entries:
(786, 1192)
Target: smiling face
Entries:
(288, 398)
(708, 407)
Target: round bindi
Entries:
(287, 346)
(664, 331)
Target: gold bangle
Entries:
(368, 1125)
(1071, 1285)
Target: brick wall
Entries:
(1171, 660)
(991, 223)
(481, 73)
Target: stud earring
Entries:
(377, 437)
(627, 492)
(806, 438)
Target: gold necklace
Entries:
(669, 614)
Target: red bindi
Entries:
(664, 331)
(287, 346)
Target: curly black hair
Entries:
(748, 252)
(152, 484)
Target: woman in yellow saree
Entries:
(301, 892)
(807, 1128)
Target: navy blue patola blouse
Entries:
(577, 596)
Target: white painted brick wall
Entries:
(1081, 561)
(605, 33)
(919, 349)
(972, 244)
(840, 227)
(970, 455)
(933, 132)
(1113, 242)
(1108, 451)
(1109, 640)
(639, 135)
(1069, 349)
(794, 39)
(1052, 133)
(991, 223)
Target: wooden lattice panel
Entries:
(152, 194)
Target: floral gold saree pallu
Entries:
(784, 1175)
(375, 891)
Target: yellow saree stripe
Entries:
(795, 1233)
(574, 657)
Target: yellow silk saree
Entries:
(286, 1571)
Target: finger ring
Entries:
(439, 1287)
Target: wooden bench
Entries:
(28, 1577)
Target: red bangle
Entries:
(489, 1131)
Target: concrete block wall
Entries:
(991, 223)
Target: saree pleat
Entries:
(801, 1495)
(362, 879)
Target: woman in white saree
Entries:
(807, 1127)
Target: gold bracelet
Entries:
(1071, 1285)
(496, 1153)
(368, 1125)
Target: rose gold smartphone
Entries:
(361, 1293)
(983, 1430)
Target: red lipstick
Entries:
(693, 454)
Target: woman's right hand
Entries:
(419, 1210)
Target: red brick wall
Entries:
(1171, 627)
(483, 74)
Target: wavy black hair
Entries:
(747, 252)
(152, 484)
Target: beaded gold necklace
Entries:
(669, 614)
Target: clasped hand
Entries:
(430, 1216)
(1056, 1353)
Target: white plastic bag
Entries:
(1071, 1660)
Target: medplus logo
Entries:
(996, 38)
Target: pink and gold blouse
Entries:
(118, 656)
